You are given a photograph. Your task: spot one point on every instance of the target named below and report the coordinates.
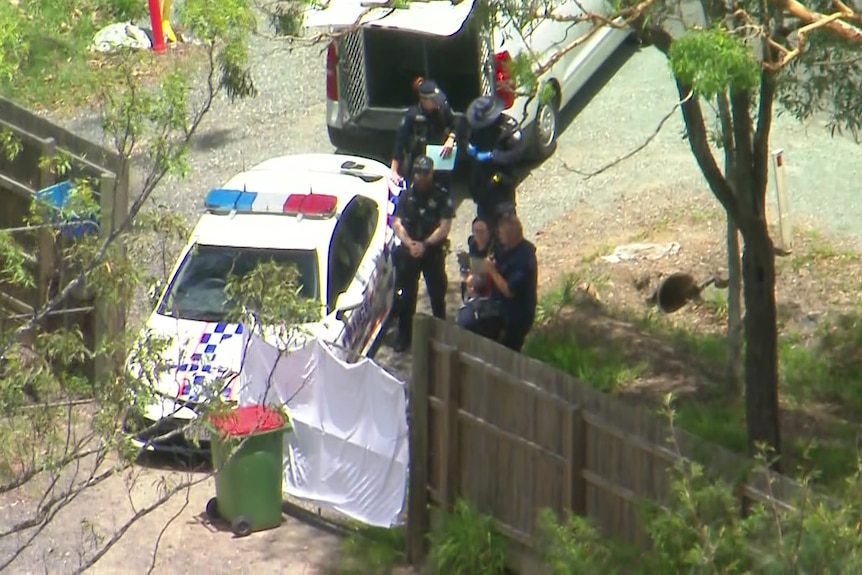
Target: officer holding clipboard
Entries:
(428, 123)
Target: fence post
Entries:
(451, 400)
(417, 488)
(109, 314)
(47, 256)
(575, 447)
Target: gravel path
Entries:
(288, 117)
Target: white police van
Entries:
(382, 47)
(330, 216)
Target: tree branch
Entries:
(120, 532)
(698, 141)
(834, 23)
(760, 147)
(635, 150)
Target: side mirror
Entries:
(347, 301)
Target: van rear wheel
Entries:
(544, 138)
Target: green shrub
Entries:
(700, 531)
(467, 543)
(575, 546)
(373, 551)
(603, 368)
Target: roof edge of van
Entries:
(441, 18)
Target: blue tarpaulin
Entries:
(72, 225)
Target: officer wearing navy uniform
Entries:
(496, 146)
(431, 121)
(423, 218)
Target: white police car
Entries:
(328, 214)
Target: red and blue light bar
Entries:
(307, 205)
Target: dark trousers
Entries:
(513, 337)
(490, 200)
(492, 327)
(432, 265)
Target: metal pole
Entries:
(156, 22)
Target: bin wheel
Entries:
(241, 527)
(212, 509)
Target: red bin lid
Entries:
(248, 420)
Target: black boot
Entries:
(403, 335)
(402, 341)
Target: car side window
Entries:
(350, 241)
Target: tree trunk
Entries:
(761, 336)
(733, 367)
(734, 308)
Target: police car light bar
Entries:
(308, 205)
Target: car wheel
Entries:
(545, 129)
(212, 509)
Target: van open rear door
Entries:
(381, 50)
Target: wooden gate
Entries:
(37, 144)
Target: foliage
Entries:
(713, 61)
(819, 370)
(64, 398)
(373, 551)
(225, 31)
(574, 546)
(270, 294)
(700, 530)
(13, 42)
(44, 48)
(467, 543)
(604, 368)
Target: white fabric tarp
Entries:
(349, 448)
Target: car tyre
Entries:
(212, 509)
(545, 128)
(241, 527)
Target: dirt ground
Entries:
(185, 540)
(817, 287)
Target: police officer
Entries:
(431, 121)
(422, 221)
(513, 271)
(496, 146)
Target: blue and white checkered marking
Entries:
(200, 365)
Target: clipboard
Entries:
(441, 164)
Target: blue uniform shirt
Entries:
(519, 268)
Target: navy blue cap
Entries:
(428, 89)
(423, 164)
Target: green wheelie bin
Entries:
(247, 448)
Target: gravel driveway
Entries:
(288, 117)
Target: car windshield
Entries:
(197, 290)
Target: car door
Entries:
(356, 226)
(343, 265)
(547, 37)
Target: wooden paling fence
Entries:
(25, 173)
(514, 436)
